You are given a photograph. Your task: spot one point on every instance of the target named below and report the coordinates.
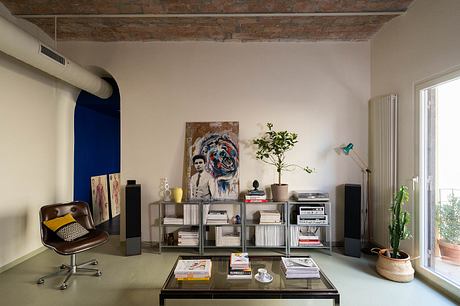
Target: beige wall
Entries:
(319, 90)
(409, 49)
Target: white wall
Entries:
(319, 90)
(408, 49)
(36, 150)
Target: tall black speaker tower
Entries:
(352, 232)
(133, 218)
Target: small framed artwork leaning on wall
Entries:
(114, 188)
(211, 161)
(100, 198)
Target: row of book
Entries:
(239, 266)
(299, 267)
(193, 269)
(227, 239)
(191, 214)
(269, 235)
(188, 238)
(269, 217)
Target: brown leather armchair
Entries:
(82, 214)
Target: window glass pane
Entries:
(442, 177)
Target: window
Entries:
(439, 174)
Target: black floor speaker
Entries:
(133, 218)
(352, 222)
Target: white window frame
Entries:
(420, 188)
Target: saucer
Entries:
(265, 280)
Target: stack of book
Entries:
(173, 220)
(269, 217)
(311, 240)
(188, 238)
(227, 239)
(301, 267)
(217, 217)
(191, 214)
(239, 266)
(269, 235)
(255, 196)
(193, 269)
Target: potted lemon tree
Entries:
(271, 149)
(393, 263)
(448, 220)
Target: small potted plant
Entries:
(448, 220)
(271, 149)
(393, 263)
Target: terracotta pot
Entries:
(280, 192)
(449, 251)
(395, 269)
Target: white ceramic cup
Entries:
(263, 275)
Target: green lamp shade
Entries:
(348, 148)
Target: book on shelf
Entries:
(311, 240)
(269, 217)
(299, 267)
(193, 269)
(255, 197)
(191, 214)
(217, 217)
(173, 220)
(188, 238)
(269, 235)
(255, 201)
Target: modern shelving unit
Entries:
(246, 228)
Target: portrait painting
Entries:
(211, 162)
(114, 188)
(100, 199)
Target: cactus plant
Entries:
(399, 220)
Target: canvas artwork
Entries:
(114, 186)
(211, 163)
(100, 199)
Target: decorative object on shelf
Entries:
(211, 165)
(100, 199)
(171, 239)
(177, 194)
(366, 235)
(165, 192)
(448, 223)
(393, 263)
(263, 276)
(271, 149)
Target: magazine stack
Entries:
(217, 217)
(299, 267)
(269, 217)
(193, 269)
(188, 238)
(311, 240)
(239, 266)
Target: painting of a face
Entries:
(217, 143)
(199, 165)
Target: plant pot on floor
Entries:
(395, 269)
(449, 251)
(280, 192)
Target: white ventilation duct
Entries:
(26, 48)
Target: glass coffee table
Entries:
(219, 287)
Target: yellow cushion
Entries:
(57, 223)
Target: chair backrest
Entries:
(79, 210)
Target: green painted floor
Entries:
(136, 280)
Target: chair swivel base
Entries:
(72, 269)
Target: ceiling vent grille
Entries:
(52, 55)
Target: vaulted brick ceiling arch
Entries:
(212, 20)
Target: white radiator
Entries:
(383, 121)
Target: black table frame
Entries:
(244, 294)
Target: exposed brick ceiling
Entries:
(104, 20)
